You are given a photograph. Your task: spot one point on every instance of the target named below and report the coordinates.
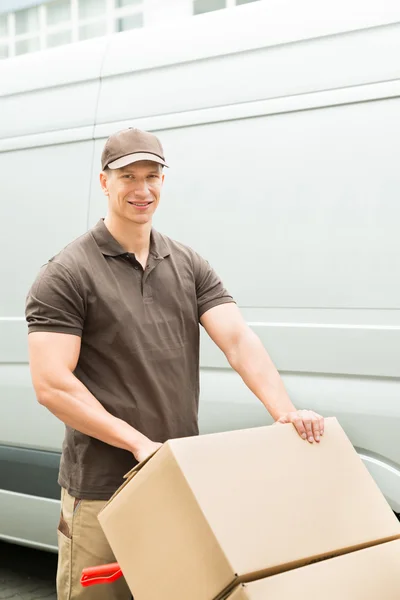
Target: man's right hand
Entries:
(146, 448)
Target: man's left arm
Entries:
(247, 355)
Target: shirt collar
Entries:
(109, 246)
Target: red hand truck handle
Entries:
(101, 574)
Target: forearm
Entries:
(249, 358)
(70, 401)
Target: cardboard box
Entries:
(208, 512)
(371, 574)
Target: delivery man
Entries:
(113, 325)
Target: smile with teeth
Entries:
(140, 204)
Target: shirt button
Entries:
(136, 268)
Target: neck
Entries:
(133, 238)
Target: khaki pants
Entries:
(81, 544)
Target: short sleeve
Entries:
(54, 302)
(210, 290)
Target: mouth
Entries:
(140, 205)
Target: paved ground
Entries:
(26, 574)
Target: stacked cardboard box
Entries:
(206, 514)
(370, 574)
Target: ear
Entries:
(103, 183)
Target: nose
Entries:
(141, 190)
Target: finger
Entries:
(308, 427)
(321, 425)
(315, 428)
(299, 425)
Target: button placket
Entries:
(146, 287)
(134, 262)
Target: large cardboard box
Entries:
(371, 574)
(208, 512)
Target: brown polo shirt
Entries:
(140, 343)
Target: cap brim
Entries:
(132, 158)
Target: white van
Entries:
(281, 124)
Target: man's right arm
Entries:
(53, 358)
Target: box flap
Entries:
(139, 466)
(130, 475)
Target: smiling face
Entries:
(133, 191)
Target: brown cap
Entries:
(129, 146)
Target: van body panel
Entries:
(282, 138)
(24, 423)
(29, 521)
(48, 189)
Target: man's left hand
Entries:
(309, 425)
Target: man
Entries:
(114, 351)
